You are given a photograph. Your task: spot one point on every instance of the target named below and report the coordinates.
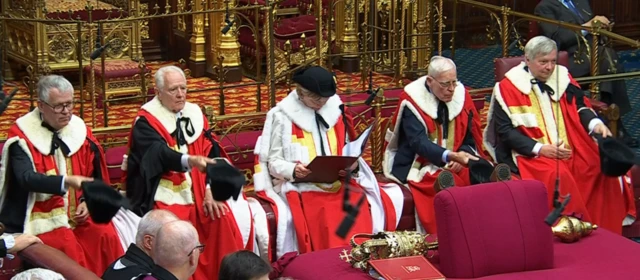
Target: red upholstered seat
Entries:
(114, 157)
(633, 230)
(504, 64)
(239, 146)
(116, 69)
(291, 28)
(493, 228)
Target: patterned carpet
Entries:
(240, 98)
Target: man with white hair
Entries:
(49, 153)
(138, 258)
(540, 124)
(310, 122)
(170, 146)
(175, 252)
(434, 135)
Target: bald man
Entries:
(138, 258)
(175, 251)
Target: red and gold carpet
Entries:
(240, 98)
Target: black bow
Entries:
(189, 129)
(543, 87)
(320, 121)
(56, 142)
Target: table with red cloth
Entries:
(603, 255)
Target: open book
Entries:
(325, 169)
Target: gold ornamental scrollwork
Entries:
(386, 245)
(144, 24)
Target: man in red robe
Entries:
(434, 134)
(48, 154)
(170, 146)
(540, 124)
(311, 122)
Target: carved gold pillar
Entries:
(225, 45)
(339, 21)
(422, 12)
(197, 55)
(349, 62)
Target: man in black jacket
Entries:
(579, 12)
(138, 258)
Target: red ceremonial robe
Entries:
(183, 192)
(598, 198)
(310, 213)
(422, 176)
(93, 246)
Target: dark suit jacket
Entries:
(567, 40)
(413, 140)
(135, 262)
(3, 249)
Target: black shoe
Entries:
(501, 172)
(445, 180)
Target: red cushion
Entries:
(117, 69)
(503, 64)
(240, 146)
(288, 28)
(493, 228)
(113, 156)
(1, 147)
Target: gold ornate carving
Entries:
(570, 229)
(144, 24)
(386, 245)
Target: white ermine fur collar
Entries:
(168, 119)
(304, 117)
(428, 102)
(521, 79)
(74, 134)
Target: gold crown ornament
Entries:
(386, 245)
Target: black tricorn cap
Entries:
(226, 180)
(103, 201)
(317, 80)
(616, 158)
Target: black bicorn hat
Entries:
(616, 158)
(103, 201)
(225, 180)
(317, 80)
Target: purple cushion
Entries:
(493, 228)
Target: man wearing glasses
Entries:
(170, 146)
(308, 123)
(434, 135)
(48, 155)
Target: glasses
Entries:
(448, 84)
(60, 107)
(199, 247)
